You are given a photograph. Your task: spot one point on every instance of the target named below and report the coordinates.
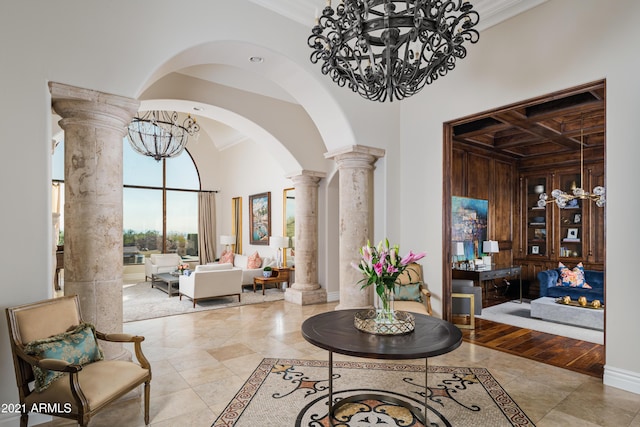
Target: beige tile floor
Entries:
(200, 360)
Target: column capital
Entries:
(89, 107)
(306, 177)
(356, 152)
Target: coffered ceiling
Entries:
(546, 127)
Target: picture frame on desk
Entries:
(572, 233)
(535, 250)
(577, 218)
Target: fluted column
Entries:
(355, 164)
(306, 289)
(94, 124)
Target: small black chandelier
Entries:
(389, 49)
(157, 134)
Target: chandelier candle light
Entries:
(158, 134)
(390, 49)
(562, 198)
(381, 266)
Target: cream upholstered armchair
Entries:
(59, 366)
(411, 294)
(160, 263)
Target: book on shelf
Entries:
(570, 240)
(537, 223)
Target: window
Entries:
(160, 204)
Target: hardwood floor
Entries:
(579, 356)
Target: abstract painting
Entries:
(469, 224)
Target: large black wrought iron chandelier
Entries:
(390, 49)
(158, 134)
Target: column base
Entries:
(304, 297)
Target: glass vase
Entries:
(386, 313)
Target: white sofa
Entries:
(160, 263)
(210, 281)
(240, 261)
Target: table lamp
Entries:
(458, 251)
(279, 242)
(489, 247)
(228, 241)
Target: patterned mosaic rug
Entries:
(286, 392)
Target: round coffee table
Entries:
(335, 331)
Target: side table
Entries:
(279, 275)
(335, 331)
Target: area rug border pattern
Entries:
(243, 397)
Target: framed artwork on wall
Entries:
(469, 224)
(260, 218)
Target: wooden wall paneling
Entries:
(596, 237)
(458, 173)
(479, 177)
(501, 226)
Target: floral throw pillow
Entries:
(226, 257)
(77, 346)
(572, 278)
(254, 261)
(410, 292)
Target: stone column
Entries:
(94, 124)
(355, 164)
(306, 289)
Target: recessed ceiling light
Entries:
(256, 59)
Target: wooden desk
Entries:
(482, 277)
(278, 275)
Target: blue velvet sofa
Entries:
(549, 285)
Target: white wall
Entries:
(557, 45)
(105, 46)
(243, 170)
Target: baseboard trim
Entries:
(622, 379)
(333, 296)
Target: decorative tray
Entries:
(369, 321)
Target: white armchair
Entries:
(210, 281)
(160, 263)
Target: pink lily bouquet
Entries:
(182, 268)
(381, 266)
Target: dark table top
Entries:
(335, 331)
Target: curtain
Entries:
(236, 222)
(207, 227)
